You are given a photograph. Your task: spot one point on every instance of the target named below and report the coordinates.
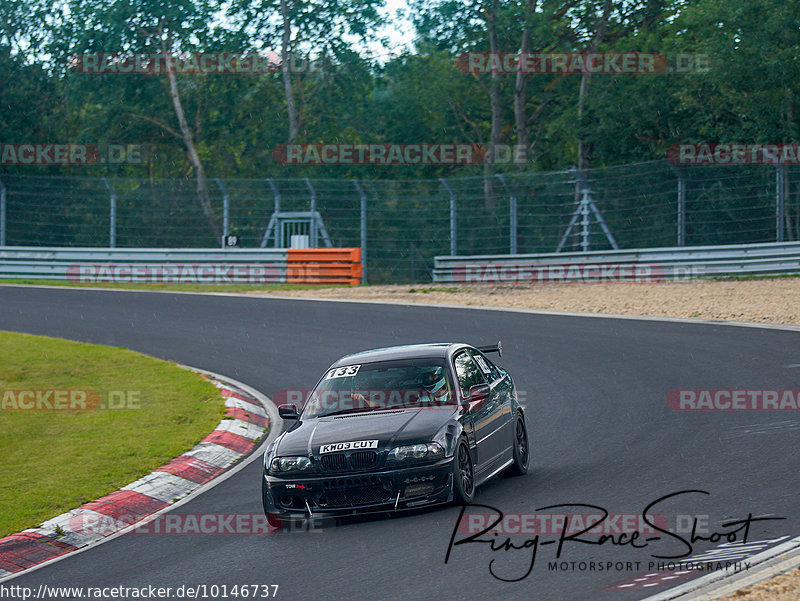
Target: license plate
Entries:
(348, 446)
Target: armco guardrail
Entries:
(183, 266)
(640, 265)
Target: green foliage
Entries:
(749, 93)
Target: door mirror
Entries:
(288, 411)
(477, 395)
(479, 392)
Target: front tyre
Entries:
(521, 450)
(273, 519)
(463, 475)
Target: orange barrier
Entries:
(323, 266)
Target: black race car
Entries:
(396, 428)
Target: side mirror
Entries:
(288, 412)
(477, 395)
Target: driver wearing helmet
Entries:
(434, 391)
(434, 386)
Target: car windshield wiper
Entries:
(365, 410)
(341, 411)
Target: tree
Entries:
(150, 26)
(306, 30)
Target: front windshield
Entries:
(379, 386)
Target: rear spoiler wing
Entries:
(494, 348)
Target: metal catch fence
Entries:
(401, 225)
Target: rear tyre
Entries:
(463, 475)
(521, 450)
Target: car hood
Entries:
(389, 428)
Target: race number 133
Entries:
(342, 372)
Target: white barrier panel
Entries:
(633, 266)
(146, 265)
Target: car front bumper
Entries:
(359, 492)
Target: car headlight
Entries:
(289, 464)
(416, 452)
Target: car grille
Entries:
(341, 462)
(334, 462)
(362, 459)
(353, 496)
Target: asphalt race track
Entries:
(601, 434)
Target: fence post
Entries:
(681, 204)
(273, 220)
(780, 178)
(112, 219)
(513, 224)
(2, 214)
(453, 231)
(363, 227)
(681, 211)
(585, 246)
(226, 211)
(412, 250)
(313, 232)
(512, 217)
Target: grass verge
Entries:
(146, 412)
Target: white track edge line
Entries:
(704, 585)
